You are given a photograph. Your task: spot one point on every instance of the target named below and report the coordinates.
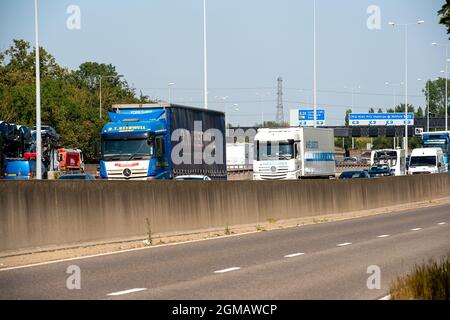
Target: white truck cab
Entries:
(293, 153)
(426, 160)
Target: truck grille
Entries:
(118, 174)
(277, 176)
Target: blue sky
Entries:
(250, 44)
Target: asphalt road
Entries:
(322, 261)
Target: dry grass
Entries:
(428, 281)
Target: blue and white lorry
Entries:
(294, 153)
(162, 141)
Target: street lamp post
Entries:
(226, 112)
(353, 106)
(428, 103)
(446, 81)
(38, 97)
(236, 108)
(205, 62)
(394, 85)
(170, 91)
(261, 100)
(315, 70)
(406, 78)
(100, 79)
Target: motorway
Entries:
(321, 261)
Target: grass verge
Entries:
(428, 281)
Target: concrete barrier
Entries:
(42, 213)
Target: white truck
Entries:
(394, 158)
(427, 160)
(294, 153)
(239, 156)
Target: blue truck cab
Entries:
(438, 139)
(136, 144)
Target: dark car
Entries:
(80, 176)
(357, 174)
(380, 171)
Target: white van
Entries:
(426, 160)
(394, 158)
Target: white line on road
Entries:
(416, 229)
(227, 270)
(124, 251)
(442, 223)
(383, 236)
(119, 293)
(294, 255)
(344, 244)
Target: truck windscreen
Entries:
(127, 149)
(425, 161)
(386, 157)
(273, 151)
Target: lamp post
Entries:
(261, 100)
(170, 91)
(205, 62)
(394, 85)
(393, 24)
(38, 96)
(236, 108)
(315, 70)
(428, 103)
(104, 77)
(226, 112)
(353, 105)
(446, 81)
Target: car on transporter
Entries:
(193, 177)
(354, 174)
(77, 176)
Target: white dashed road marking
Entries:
(442, 223)
(227, 270)
(416, 229)
(119, 293)
(383, 236)
(294, 255)
(344, 244)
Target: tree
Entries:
(419, 112)
(347, 114)
(444, 15)
(371, 110)
(436, 96)
(70, 98)
(272, 124)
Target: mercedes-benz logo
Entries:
(273, 169)
(127, 172)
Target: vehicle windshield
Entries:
(275, 151)
(424, 161)
(352, 174)
(385, 157)
(127, 149)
